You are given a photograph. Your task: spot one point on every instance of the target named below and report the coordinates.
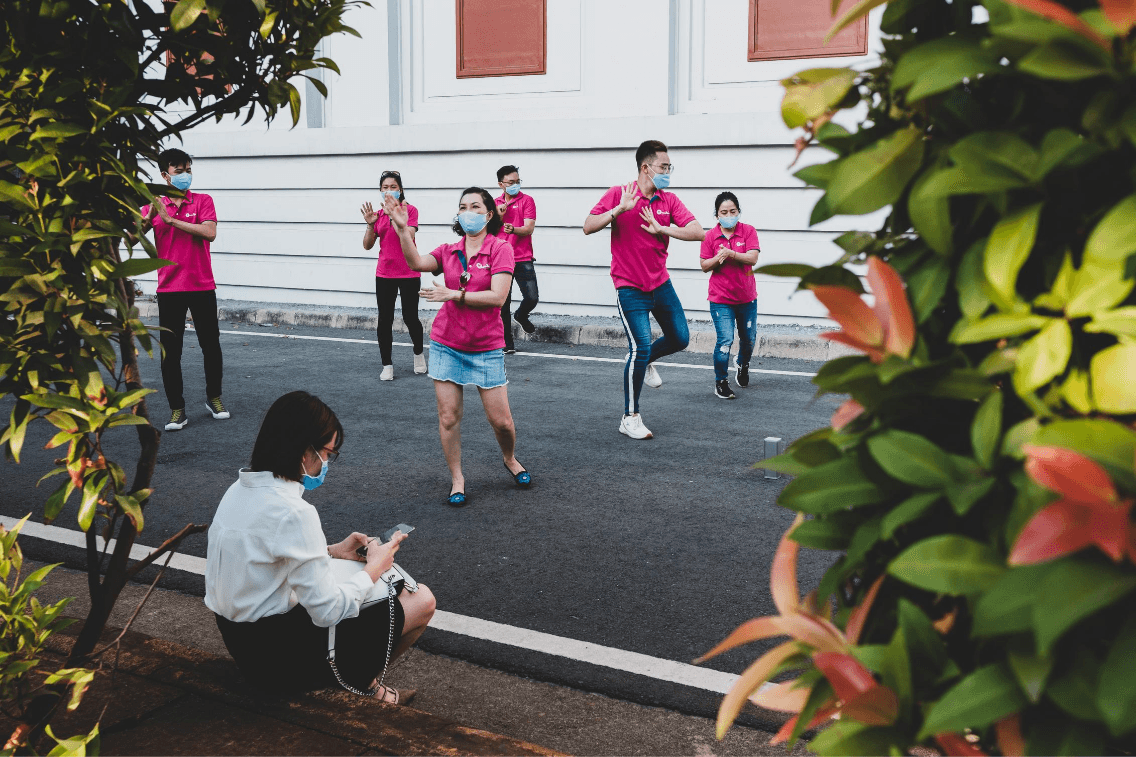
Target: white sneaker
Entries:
(420, 364)
(387, 374)
(652, 378)
(632, 425)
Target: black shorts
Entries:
(288, 653)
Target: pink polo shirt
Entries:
(521, 208)
(461, 327)
(192, 270)
(639, 258)
(731, 283)
(392, 263)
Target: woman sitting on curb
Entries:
(268, 569)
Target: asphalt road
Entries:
(660, 547)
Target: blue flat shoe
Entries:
(457, 499)
(523, 479)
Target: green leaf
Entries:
(833, 275)
(1032, 672)
(822, 534)
(1075, 690)
(1056, 735)
(927, 286)
(1119, 322)
(939, 65)
(997, 326)
(1064, 148)
(830, 487)
(912, 459)
(996, 154)
(966, 494)
(58, 131)
(986, 431)
(130, 505)
(860, 9)
(1111, 393)
(1109, 443)
(910, 509)
(92, 487)
(185, 13)
(1044, 357)
(1097, 288)
(138, 266)
(1007, 248)
(949, 564)
(925, 645)
(851, 737)
(1061, 62)
(930, 215)
(1116, 695)
(877, 175)
(791, 270)
(985, 696)
(812, 93)
(1075, 589)
(818, 175)
(971, 282)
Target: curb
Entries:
(782, 346)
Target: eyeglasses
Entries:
(664, 168)
(332, 454)
(391, 173)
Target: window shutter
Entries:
(780, 29)
(501, 38)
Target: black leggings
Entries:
(386, 290)
(172, 307)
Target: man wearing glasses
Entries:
(643, 219)
(518, 211)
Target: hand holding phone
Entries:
(386, 537)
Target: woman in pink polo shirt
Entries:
(729, 253)
(393, 278)
(467, 338)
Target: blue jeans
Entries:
(635, 306)
(724, 317)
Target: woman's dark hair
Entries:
(398, 179)
(495, 222)
(295, 422)
(722, 198)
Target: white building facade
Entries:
(447, 91)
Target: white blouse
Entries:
(267, 553)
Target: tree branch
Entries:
(169, 545)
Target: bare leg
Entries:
(500, 417)
(418, 609)
(450, 411)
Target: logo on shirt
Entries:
(661, 212)
(482, 265)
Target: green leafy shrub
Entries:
(979, 481)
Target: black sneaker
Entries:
(742, 375)
(178, 420)
(215, 406)
(723, 391)
(526, 324)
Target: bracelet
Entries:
(614, 215)
(461, 300)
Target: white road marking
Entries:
(527, 354)
(536, 641)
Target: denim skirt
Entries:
(485, 370)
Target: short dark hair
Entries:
(504, 171)
(168, 159)
(398, 179)
(295, 422)
(648, 150)
(722, 198)
(495, 222)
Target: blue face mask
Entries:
(181, 180)
(513, 190)
(471, 222)
(661, 180)
(314, 482)
(729, 222)
(396, 194)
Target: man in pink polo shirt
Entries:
(183, 228)
(644, 218)
(519, 213)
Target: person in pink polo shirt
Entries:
(729, 253)
(393, 278)
(518, 210)
(644, 218)
(183, 229)
(466, 340)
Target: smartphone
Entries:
(386, 536)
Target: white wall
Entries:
(288, 200)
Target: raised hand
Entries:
(161, 208)
(396, 213)
(627, 199)
(651, 226)
(382, 555)
(438, 293)
(369, 214)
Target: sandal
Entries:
(523, 479)
(403, 697)
(457, 499)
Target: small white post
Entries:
(772, 449)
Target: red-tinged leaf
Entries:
(878, 706)
(859, 615)
(848, 677)
(750, 631)
(18, 737)
(782, 697)
(1069, 473)
(755, 675)
(1058, 530)
(954, 744)
(846, 413)
(787, 729)
(1121, 14)
(857, 320)
(875, 353)
(892, 308)
(817, 632)
(1008, 732)
(783, 574)
(1060, 14)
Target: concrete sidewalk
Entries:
(177, 693)
(773, 340)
